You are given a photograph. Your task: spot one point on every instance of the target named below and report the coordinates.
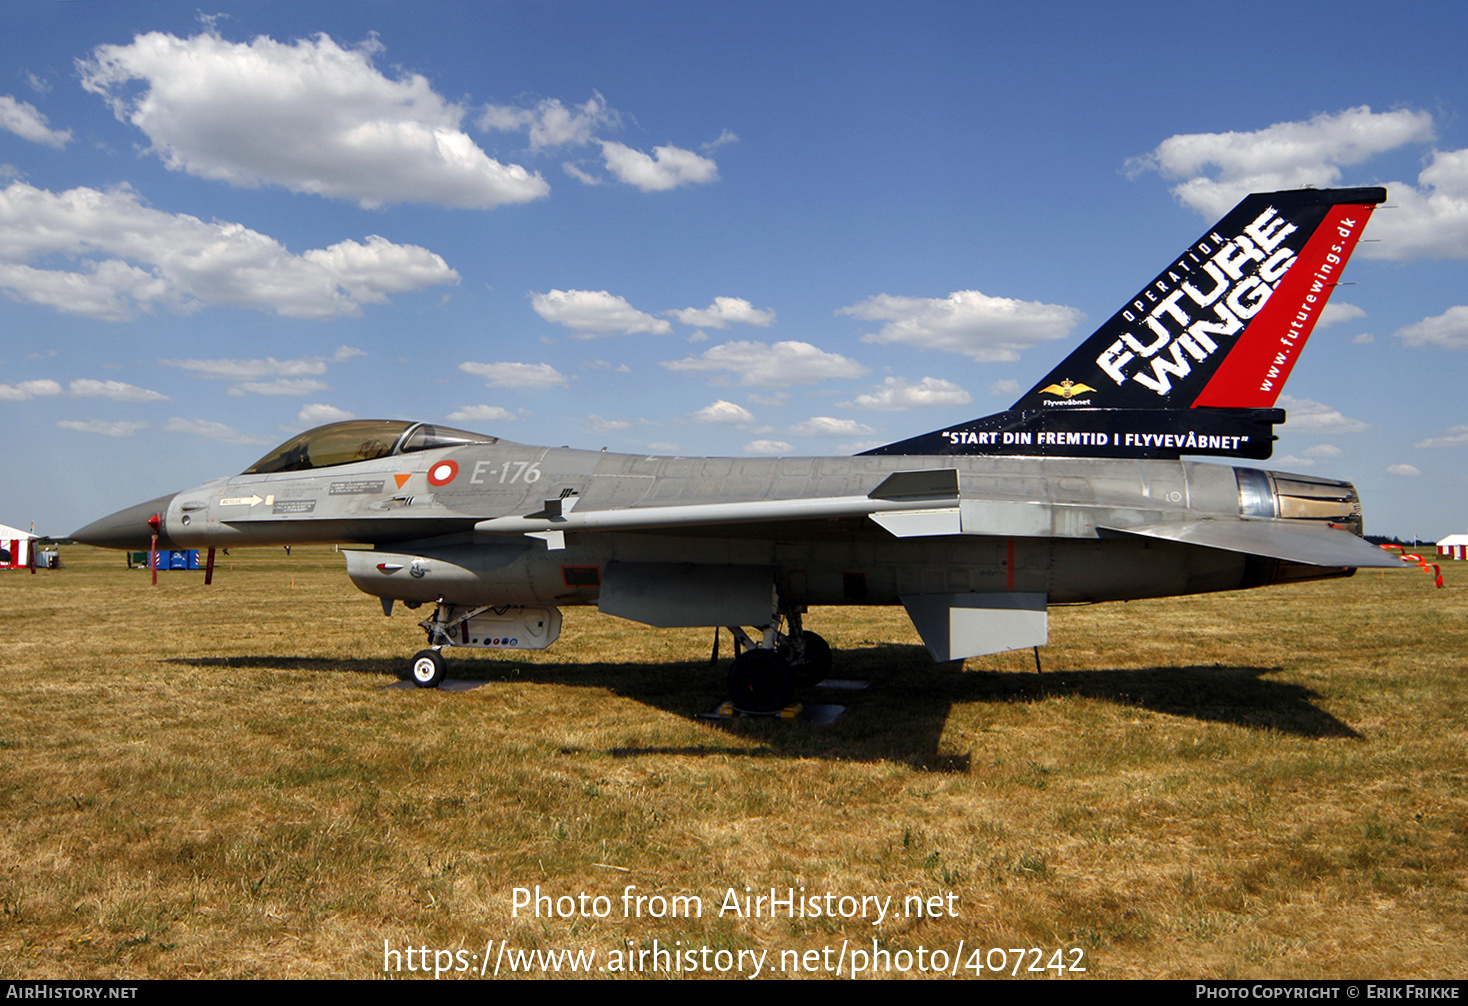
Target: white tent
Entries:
(16, 547)
(1454, 546)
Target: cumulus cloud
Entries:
(551, 123)
(727, 136)
(779, 366)
(897, 393)
(1005, 387)
(319, 413)
(290, 377)
(595, 312)
(109, 290)
(1216, 170)
(1307, 416)
(1323, 451)
(211, 431)
(29, 389)
(115, 390)
(667, 168)
(723, 312)
(281, 386)
(1335, 313)
(827, 426)
(308, 115)
(1456, 436)
(123, 257)
(1407, 471)
(601, 424)
(515, 375)
(125, 428)
(25, 121)
(1448, 330)
(987, 329)
(585, 178)
(768, 447)
(1429, 220)
(482, 414)
(723, 412)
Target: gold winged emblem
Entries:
(1066, 389)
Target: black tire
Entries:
(760, 682)
(815, 665)
(428, 668)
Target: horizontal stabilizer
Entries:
(1292, 540)
(956, 626)
(920, 523)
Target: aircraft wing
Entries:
(1291, 540)
(927, 493)
(926, 502)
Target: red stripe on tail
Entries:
(1255, 371)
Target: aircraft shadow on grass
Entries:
(901, 717)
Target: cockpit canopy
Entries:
(359, 440)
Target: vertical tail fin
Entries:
(1194, 363)
(1224, 323)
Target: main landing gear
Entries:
(763, 677)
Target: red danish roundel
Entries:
(442, 473)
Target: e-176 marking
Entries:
(523, 471)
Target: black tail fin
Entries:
(1195, 362)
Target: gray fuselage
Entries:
(1029, 525)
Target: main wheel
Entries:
(759, 681)
(429, 667)
(814, 665)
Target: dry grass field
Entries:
(223, 782)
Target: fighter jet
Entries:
(1078, 493)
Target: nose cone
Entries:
(128, 528)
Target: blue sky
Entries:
(688, 228)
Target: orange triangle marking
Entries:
(401, 479)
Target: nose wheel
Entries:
(429, 667)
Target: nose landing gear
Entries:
(429, 668)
